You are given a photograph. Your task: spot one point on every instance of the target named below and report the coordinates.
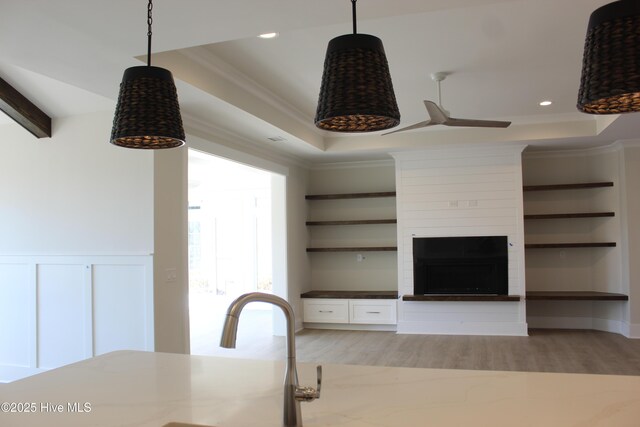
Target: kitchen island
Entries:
(129, 388)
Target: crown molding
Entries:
(629, 143)
(574, 152)
(461, 150)
(353, 165)
(225, 137)
(216, 65)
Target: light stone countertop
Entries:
(130, 388)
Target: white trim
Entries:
(574, 152)
(463, 328)
(14, 373)
(74, 254)
(354, 165)
(631, 330)
(460, 151)
(629, 143)
(218, 141)
(349, 326)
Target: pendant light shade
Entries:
(147, 113)
(610, 82)
(356, 94)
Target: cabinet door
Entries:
(322, 310)
(380, 312)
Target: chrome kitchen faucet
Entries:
(293, 393)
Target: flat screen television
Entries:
(460, 265)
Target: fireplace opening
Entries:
(460, 265)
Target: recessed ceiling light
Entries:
(276, 138)
(268, 35)
(545, 103)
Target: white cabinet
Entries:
(354, 311)
(377, 312)
(325, 310)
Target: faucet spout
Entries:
(293, 393)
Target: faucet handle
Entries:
(307, 394)
(319, 371)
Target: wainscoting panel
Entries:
(58, 309)
(64, 315)
(16, 326)
(128, 326)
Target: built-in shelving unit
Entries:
(578, 186)
(571, 215)
(350, 308)
(356, 249)
(350, 196)
(351, 294)
(344, 196)
(575, 296)
(354, 222)
(569, 245)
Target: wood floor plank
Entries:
(544, 350)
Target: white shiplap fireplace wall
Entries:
(455, 192)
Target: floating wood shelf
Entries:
(567, 186)
(571, 215)
(349, 196)
(574, 296)
(569, 245)
(354, 222)
(458, 297)
(356, 249)
(351, 294)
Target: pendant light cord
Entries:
(353, 13)
(149, 22)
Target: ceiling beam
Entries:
(23, 111)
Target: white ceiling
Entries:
(506, 56)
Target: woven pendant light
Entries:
(356, 94)
(610, 82)
(147, 114)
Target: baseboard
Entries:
(463, 328)
(558, 322)
(13, 373)
(350, 327)
(631, 330)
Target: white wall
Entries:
(462, 191)
(76, 240)
(74, 192)
(631, 235)
(171, 303)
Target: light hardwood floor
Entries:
(543, 351)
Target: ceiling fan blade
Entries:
(416, 126)
(435, 113)
(475, 123)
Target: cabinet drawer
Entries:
(326, 310)
(381, 312)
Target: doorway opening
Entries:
(236, 245)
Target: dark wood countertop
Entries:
(351, 294)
